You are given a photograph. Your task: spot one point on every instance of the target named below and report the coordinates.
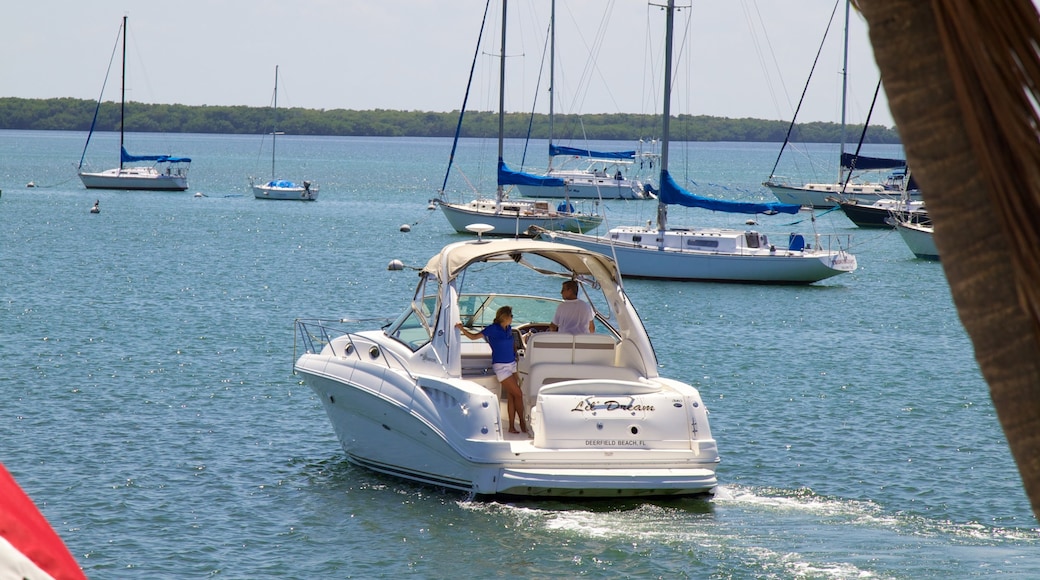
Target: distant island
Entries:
(67, 114)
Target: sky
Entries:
(740, 58)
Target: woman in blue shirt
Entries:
(499, 334)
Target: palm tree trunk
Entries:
(982, 251)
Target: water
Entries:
(150, 409)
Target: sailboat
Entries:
(709, 254)
(166, 172)
(587, 174)
(850, 165)
(281, 188)
(507, 216)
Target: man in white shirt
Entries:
(573, 315)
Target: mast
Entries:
(499, 193)
(844, 92)
(662, 209)
(552, 74)
(274, 130)
(122, 98)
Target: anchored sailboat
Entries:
(166, 173)
(281, 188)
(506, 216)
(709, 254)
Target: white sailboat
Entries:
(710, 254)
(165, 172)
(852, 167)
(415, 399)
(918, 237)
(281, 188)
(510, 216)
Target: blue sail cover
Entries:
(128, 158)
(507, 176)
(672, 194)
(555, 150)
(862, 163)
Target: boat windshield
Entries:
(478, 310)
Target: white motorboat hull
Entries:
(823, 195)
(919, 239)
(513, 218)
(737, 264)
(285, 193)
(134, 178)
(449, 434)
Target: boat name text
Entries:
(610, 405)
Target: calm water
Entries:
(150, 409)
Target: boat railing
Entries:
(830, 242)
(313, 335)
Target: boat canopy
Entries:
(507, 176)
(853, 162)
(555, 150)
(281, 183)
(672, 194)
(128, 158)
(456, 257)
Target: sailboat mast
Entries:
(844, 92)
(499, 193)
(552, 73)
(662, 209)
(274, 130)
(122, 97)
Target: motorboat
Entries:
(417, 400)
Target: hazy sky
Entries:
(741, 58)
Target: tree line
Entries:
(68, 114)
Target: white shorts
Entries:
(503, 370)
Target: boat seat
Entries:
(593, 349)
(796, 243)
(549, 373)
(550, 347)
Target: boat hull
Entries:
(875, 215)
(448, 433)
(760, 266)
(825, 195)
(515, 219)
(919, 239)
(587, 188)
(134, 178)
(285, 193)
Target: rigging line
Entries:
(97, 108)
(761, 55)
(537, 89)
(813, 215)
(862, 135)
(465, 98)
(819, 51)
